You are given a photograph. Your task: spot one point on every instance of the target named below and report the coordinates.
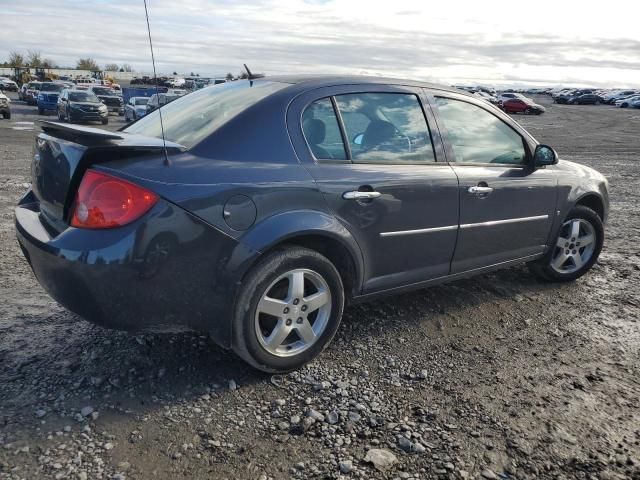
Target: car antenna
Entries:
(155, 80)
(252, 76)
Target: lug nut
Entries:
(574, 252)
(567, 252)
(304, 308)
(289, 322)
(296, 301)
(299, 320)
(286, 309)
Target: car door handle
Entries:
(358, 195)
(477, 190)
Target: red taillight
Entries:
(104, 201)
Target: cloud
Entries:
(411, 39)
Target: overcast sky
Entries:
(459, 41)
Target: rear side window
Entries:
(385, 128)
(478, 136)
(322, 132)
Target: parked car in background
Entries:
(77, 106)
(586, 99)
(5, 106)
(31, 92)
(289, 196)
(611, 99)
(176, 82)
(504, 96)
(8, 85)
(111, 98)
(48, 97)
(158, 100)
(135, 108)
(564, 96)
(635, 103)
(626, 101)
(518, 105)
(86, 81)
(489, 98)
(22, 92)
(178, 92)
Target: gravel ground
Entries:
(500, 376)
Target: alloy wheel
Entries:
(574, 247)
(293, 312)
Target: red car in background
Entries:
(518, 105)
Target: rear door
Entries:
(374, 157)
(506, 206)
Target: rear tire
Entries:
(305, 294)
(6, 115)
(105, 121)
(575, 250)
(40, 111)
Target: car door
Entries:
(373, 156)
(507, 207)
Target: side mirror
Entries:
(357, 140)
(544, 155)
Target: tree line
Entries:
(34, 59)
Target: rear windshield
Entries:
(190, 119)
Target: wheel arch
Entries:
(594, 202)
(317, 231)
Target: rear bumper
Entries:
(165, 271)
(115, 109)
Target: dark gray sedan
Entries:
(270, 203)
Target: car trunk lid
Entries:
(64, 152)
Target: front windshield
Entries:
(141, 101)
(191, 118)
(50, 87)
(83, 97)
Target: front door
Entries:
(506, 206)
(375, 160)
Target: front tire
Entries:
(105, 121)
(288, 309)
(576, 249)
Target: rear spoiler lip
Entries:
(90, 136)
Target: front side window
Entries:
(385, 128)
(321, 130)
(478, 136)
